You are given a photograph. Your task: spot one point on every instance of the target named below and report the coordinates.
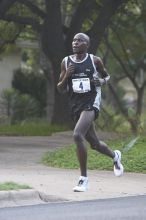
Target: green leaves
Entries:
(17, 106)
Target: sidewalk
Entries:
(19, 162)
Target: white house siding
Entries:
(7, 65)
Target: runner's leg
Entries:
(97, 145)
(80, 131)
(101, 147)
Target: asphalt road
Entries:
(127, 208)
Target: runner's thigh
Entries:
(84, 122)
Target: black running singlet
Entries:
(83, 94)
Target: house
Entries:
(8, 63)
(12, 61)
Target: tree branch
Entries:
(126, 72)
(124, 50)
(22, 20)
(5, 5)
(109, 8)
(36, 10)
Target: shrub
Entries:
(18, 107)
(33, 84)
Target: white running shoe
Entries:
(118, 167)
(82, 184)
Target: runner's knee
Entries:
(78, 137)
(96, 145)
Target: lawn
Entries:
(12, 186)
(134, 159)
(30, 129)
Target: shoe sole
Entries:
(78, 189)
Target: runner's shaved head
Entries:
(85, 36)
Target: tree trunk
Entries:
(140, 94)
(54, 48)
(61, 109)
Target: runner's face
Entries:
(79, 44)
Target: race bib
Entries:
(81, 85)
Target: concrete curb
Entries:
(19, 197)
(51, 198)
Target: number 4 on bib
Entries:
(81, 85)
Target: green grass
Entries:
(133, 160)
(12, 186)
(30, 129)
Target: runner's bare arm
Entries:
(64, 75)
(62, 84)
(102, 70)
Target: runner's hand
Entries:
(98, 81)
(70, 70)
